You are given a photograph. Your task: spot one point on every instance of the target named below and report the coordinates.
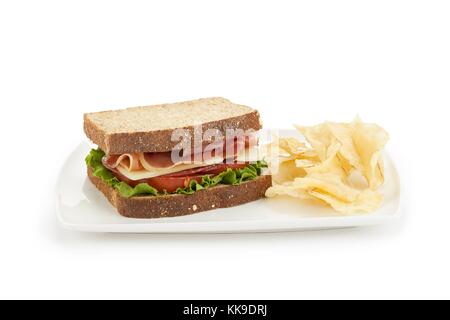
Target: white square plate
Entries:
(80, 206)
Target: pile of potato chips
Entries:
(342, 166)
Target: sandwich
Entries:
(176, 159)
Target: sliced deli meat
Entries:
(129, 161)
(140, 166)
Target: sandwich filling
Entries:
(161, 173)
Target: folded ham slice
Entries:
(129, 161)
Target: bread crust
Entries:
(160, 140)
(221, 196)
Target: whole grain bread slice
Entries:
(221, 196)
(149, 128)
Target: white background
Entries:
(297, 62)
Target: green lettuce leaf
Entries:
(230, 177)
(94, 160)
(141, 189)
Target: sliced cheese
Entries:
(144, 174)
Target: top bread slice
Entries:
(149, 128)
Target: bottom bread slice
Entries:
(220, 196)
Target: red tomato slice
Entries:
(171, 182)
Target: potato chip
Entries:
(292, 145)
(329, 183)
(289, 190)
(342, 167)
(309, 154)
(283, 155)
(287, 171)
(369, 141)
(347, 153)
(366, 201)
(331, 165)
(323, 140)
(319, 138)
(360, 146)
(304, 163)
